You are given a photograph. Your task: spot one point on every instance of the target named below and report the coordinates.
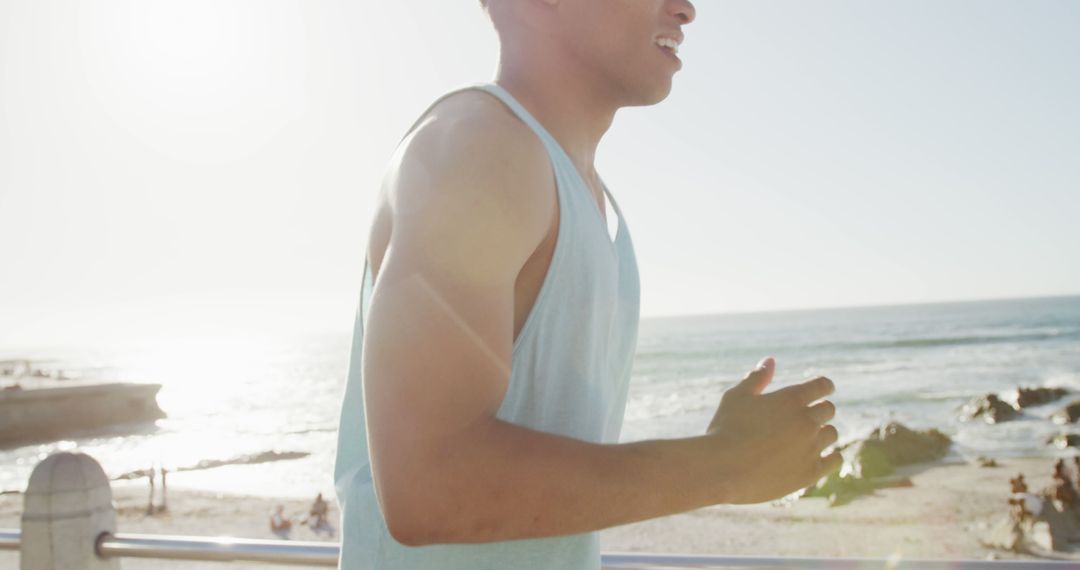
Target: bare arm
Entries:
(470, 205)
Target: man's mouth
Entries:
(669, 44)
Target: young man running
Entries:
(498, 321)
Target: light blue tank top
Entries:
(569, 375)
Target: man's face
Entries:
(630, 43)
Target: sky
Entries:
(205, 168)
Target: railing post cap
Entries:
(67, 505)
(66, 471)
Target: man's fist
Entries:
(773, 442)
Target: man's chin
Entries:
(654, 95)
(644, 89)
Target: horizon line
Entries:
(882, 305)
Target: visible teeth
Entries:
(668, 43)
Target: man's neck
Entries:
(575, 112)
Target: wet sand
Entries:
(943, 516)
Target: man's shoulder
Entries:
(472, 133)
(470, 149)
(474, 116)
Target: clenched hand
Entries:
(774, 442)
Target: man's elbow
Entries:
(401, 523)
(408, 520)
(406, 535)
(419, 533)
(425, 502)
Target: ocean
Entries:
(917, 364)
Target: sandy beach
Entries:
(946, 512)
(950, 506)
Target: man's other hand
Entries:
(773, 443)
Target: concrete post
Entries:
(67, 504)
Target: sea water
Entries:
(915, 364)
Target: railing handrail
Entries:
(10, 539)
(218, 549)
(225, 549)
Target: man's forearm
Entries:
(506, 482)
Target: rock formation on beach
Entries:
(1044, 521)
(873, 460)
(893, 445)
(988, 462)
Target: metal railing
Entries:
(218, 549)
(10, 539)
(215, 549)
(69, 498)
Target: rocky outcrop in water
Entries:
(261, 457)
(1028, 397)
(994, 409)
(1064, 440)
(51, 411)
(249, 459)
(1067, 415)
(990, 408)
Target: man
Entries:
(498, 320)
(316, 519)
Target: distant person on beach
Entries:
(316, 519)
(1021, 499)
(498, 320)
(151, 474)
(164, 491)
(1018, 484)
(318, 511)
(279, 524)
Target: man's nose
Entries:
(682, 10)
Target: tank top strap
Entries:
(553, 146)
(554, 149)
(559, 158)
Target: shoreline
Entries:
(951, 506)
